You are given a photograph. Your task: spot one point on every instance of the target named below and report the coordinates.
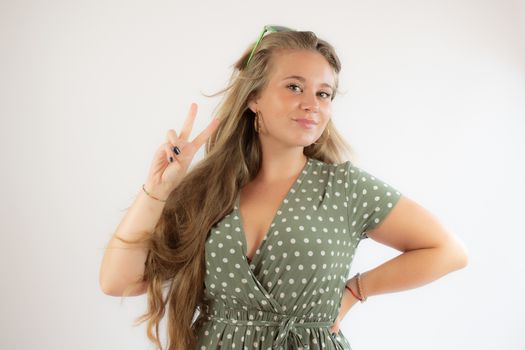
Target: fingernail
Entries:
(176, 150)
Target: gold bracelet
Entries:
(359, 288)
(151, 195)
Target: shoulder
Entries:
(335, 173)
(333, 177)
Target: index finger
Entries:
(188, 123)
(199, 140)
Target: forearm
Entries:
(409, 270)
(143, 215)
(123, 262)
(406, 271)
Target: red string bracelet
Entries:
(351, 291)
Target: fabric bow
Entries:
(286, 331)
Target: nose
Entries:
(310, 102)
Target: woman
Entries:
(257, 240)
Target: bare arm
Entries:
(123, 263)
(430, 251)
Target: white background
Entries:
(434, 104)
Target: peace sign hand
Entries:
(169, 168)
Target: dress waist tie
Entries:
(287, 335)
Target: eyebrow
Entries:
(298, 77)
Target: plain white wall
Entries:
(434, 104)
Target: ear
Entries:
(252, 105)
(252, 102)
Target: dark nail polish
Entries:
(171, 159)
(176, 150)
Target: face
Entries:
(296, 104)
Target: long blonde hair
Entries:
(175, 266)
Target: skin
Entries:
(282, 139)
(429, 250)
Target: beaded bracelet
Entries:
(359, 287)
(151, 195)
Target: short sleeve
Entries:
(369, 199)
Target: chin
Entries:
(305, 143)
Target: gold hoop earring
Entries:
(256, 121)
(324, 138)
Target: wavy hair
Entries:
(175, 266)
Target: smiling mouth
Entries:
(306, 123)
(306, 120)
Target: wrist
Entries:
(351, 286)
(156, 191)
(348, 302)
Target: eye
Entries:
(326, 93)
(292, 85)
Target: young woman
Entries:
(251, 248)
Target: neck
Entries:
(280, 167)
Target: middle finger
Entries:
(188, 123)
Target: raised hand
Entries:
(169, 168)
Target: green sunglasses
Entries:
(267, 29)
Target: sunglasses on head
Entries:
(267, 29)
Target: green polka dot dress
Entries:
(289, 295)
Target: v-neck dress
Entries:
(289, 295)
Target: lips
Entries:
(306, 121)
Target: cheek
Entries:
(326, 118)
(277, 102)
(285, 101)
